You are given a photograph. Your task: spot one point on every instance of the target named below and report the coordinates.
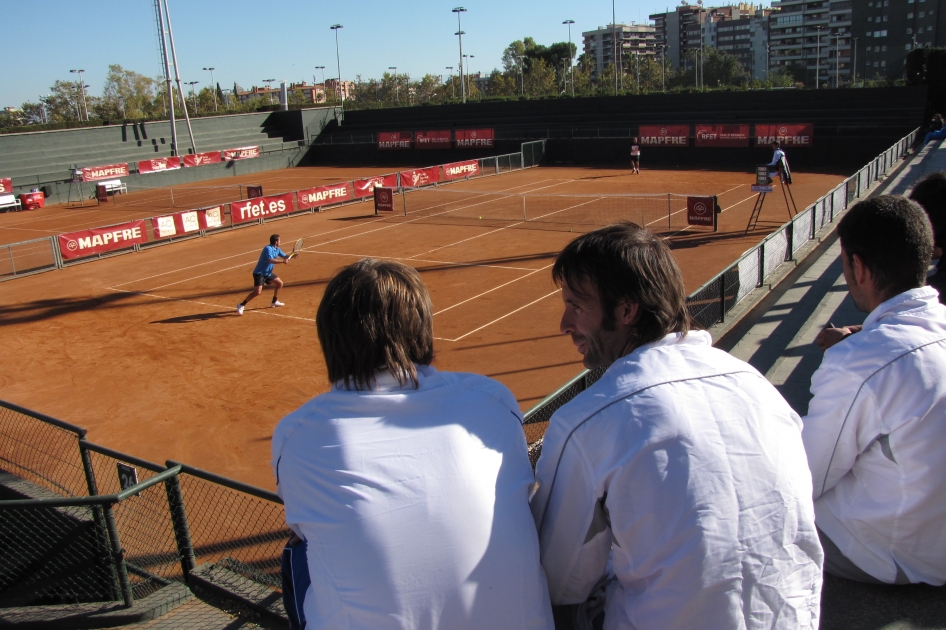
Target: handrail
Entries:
(229, 483)
(131, 459)
(101, 499)
(79, 431)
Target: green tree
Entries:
(127, 95)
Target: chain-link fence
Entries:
(28, 257)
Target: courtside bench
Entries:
(109, 187)
(9, 202)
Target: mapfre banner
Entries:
(394, 140)
(789, 134)
(109, 171)
(433, 139)
(323, 196)
(420, 177)
(665, 136)
(475, 138)
(158, 165)
(260, 207)
(240, 153)
(6, 185)
(459, 170)
(365, 187)
(100, 240)
(188, 222)
(199, 159)
(722, 135)
(701, 211)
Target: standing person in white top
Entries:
(635, 156)
(409, 486)
(875, 432)
(676, 486)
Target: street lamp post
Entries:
(269, 87)
(453, 88)
(213, 86)
(459, 34)
(522, 75)
(322, 68)
(818, 59)
(338, 62)
(571, 66)
(193, 94)
(837, 60)
(85, 106)
(397, 90)
(854, 65)
(702, 84)
(467, 72)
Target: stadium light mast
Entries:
(213, 86)
(702, 85)
(338, 62)
(571, 66)
(459, 34)
(85, 106)
(167, 76)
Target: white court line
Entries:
(491, 290)
(500, 318)
(260, 311)
(423, 260)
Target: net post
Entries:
(404, 200)
(716, 221)
(669, 211)
(171, 190)
(524, 216)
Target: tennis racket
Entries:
(296, 248)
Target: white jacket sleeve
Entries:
(574, 530)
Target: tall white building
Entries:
(602, 44)
(813, 36)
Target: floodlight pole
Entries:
(571, 66)
(85, 106)
(167, 76)
(177, 75)
(213, 86)
(854, 65)
(614, 42)
(459, 34)
(338, 61)
(193, 93)
(818, 58)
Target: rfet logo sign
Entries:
(475, 138)
(323, 196)
(240, 153)
(159, 164)
(365, 187)
(420, 177)
(722, 135)
(789, 134)
(95, 173)
(199, 159)
(6, 185)
(394, 140)
(701, 211)
(459, 170)
(432, 139)
(665, 135)
(99, 240)
(261, 207)
(383, 199)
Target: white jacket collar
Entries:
(919, 298)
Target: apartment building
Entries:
(631, 39)
(887, 30)
(814, 37)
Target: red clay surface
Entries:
(146, 351)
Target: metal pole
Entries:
(818, 59)
(459, 33)
(854, 65)
(213, 86)
(177, 76)
(167, 76)
(571, 66)
(397, 91)
(614, 42)
(338, 62)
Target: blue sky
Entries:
(44, 39)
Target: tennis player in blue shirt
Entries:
(263, 273)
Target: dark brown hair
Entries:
(375, 315)
(893, 238)
(627, 263)
(930, 193)
(273, 239)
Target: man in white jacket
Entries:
(875, 432)
(409, 486)
(676, 486)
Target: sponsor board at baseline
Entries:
(157, 165)
(383, 199)
(101, 240)
(187, 222)
(260, 207)
(677, 136)
(736, 135)
(459, 170)
(394, 140)
(108, 171)
(701, 211)
(474, 138)
(439, 139)
(365, 187)
(240, 153)
(420, 177)
(323, 195)
(6, 185)
(788, 134)
(200, 159)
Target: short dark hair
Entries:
(374, 315)
(930, 193)
(273, 238)
(893, 237)
(776, 143)
(627, 263)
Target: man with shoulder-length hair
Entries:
(676, 486)
(409, 486)
(875, 433)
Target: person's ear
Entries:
(860, 271)
(627, 313)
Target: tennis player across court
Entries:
(263, 272)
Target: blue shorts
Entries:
(295, 583)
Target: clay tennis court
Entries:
(146, 350)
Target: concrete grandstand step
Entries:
(196, 614)
(226, 579)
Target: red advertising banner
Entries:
(265, 207)
(432, 139)
(789, 134)
(106, 239)
(383, 199)
(394, 140)
(365, 187)
(159, 164)
(722, 136)
(701, 211)
(6, 186)
(188, 222)
(323, 196)
(459, 170)
(474, 138)
(199, 159)
(109, 171)
(665, 135)
(420, 177)
(240, 153)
